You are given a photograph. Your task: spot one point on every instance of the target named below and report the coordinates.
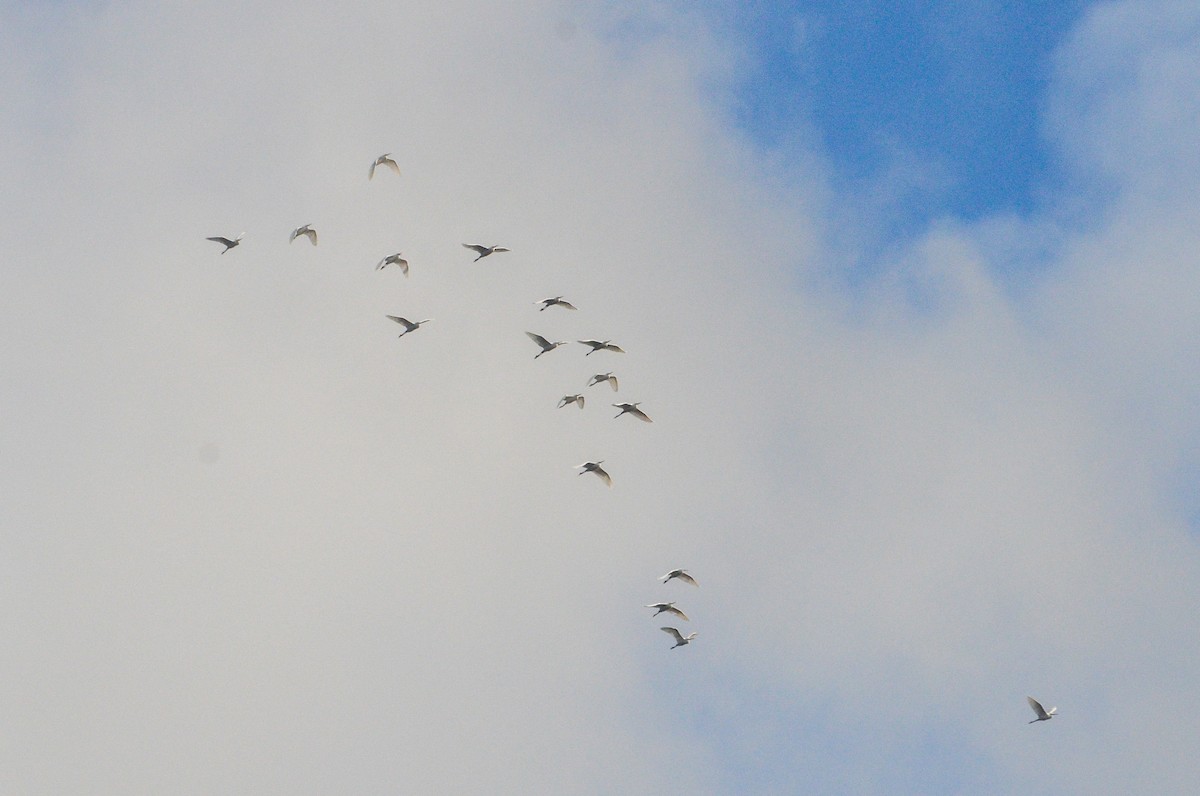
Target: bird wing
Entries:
(612, 382)
(605, 477)
(611, 347)
(678, 636)
(672, 574)
(393, 165)
(639, 414)
(542, 341)
(658, 605)
(500, 249)
(219, 239)
(1037, 707)
(400, 261)
(295, 232)
(382, 263)
(677, 612)
(371, 171)
(405, 322)
(595, 344)
(579, 400)
(312, 235)
(480, 250)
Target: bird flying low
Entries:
(682, 574)
(633, 410)
(669, 608)
(569, 399)
(680, 639)
(594, 467)
(1042, 713)
(608, 377)
(383, 160)
(394, 259)
(484, 251)
(602, 345)
(408, 325)
(557, 301)
(229, 244)
(545, 344)
(304, 230)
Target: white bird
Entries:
(602, 345)
(304, 230)
(544, 343)
(633, 410)
(408, 325)
(384, 160)
(1042, 713)
(594, 467)
(608, 377)
(682, 574)
(394, 259)
(484, 251)
(229, 244)
(557, 301)
(680, 639)
(570, 399)
(669, 608)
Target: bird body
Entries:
(229, 244)
(594, 467)
(669, 608)
(409, 326)
(632, 409)
(608, 377)
(680, 639)
(570, 399)
(484, 251)
(557, 301)
(682, 574)
(602, 345)
(383, 160)
(394, 259)
(306, 230)
(545, 344)
(1042, 713)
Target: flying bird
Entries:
(594, 467)
(557, 301)
(669, 608)
(384, 160)
(544, 343)
(1042, 713)
(304, 230)
(682, 574)
(680, 639)
(484, 251)
(408, 325)
(633, 410)
(602, 345)
(394, 259)
(229, 244)
(569, 399)
(608, 377)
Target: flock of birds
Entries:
(546, 346)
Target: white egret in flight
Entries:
(304, 230)
(669, 608)
(384, 160)
(680, 639)
(594, 467)
(1042, 713)
(633, 410)
(408, 325)
(394, 259)
(608, 377)
(557, 301)
(682, 574)
(544, 343)
(229, 244)
(570, 399)
(484, 251)
(602, 345)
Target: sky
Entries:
(908, 290)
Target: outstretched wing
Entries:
(480, 250)
(405, 322)
(542, 341)
(678, 636)
(1037, 707)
